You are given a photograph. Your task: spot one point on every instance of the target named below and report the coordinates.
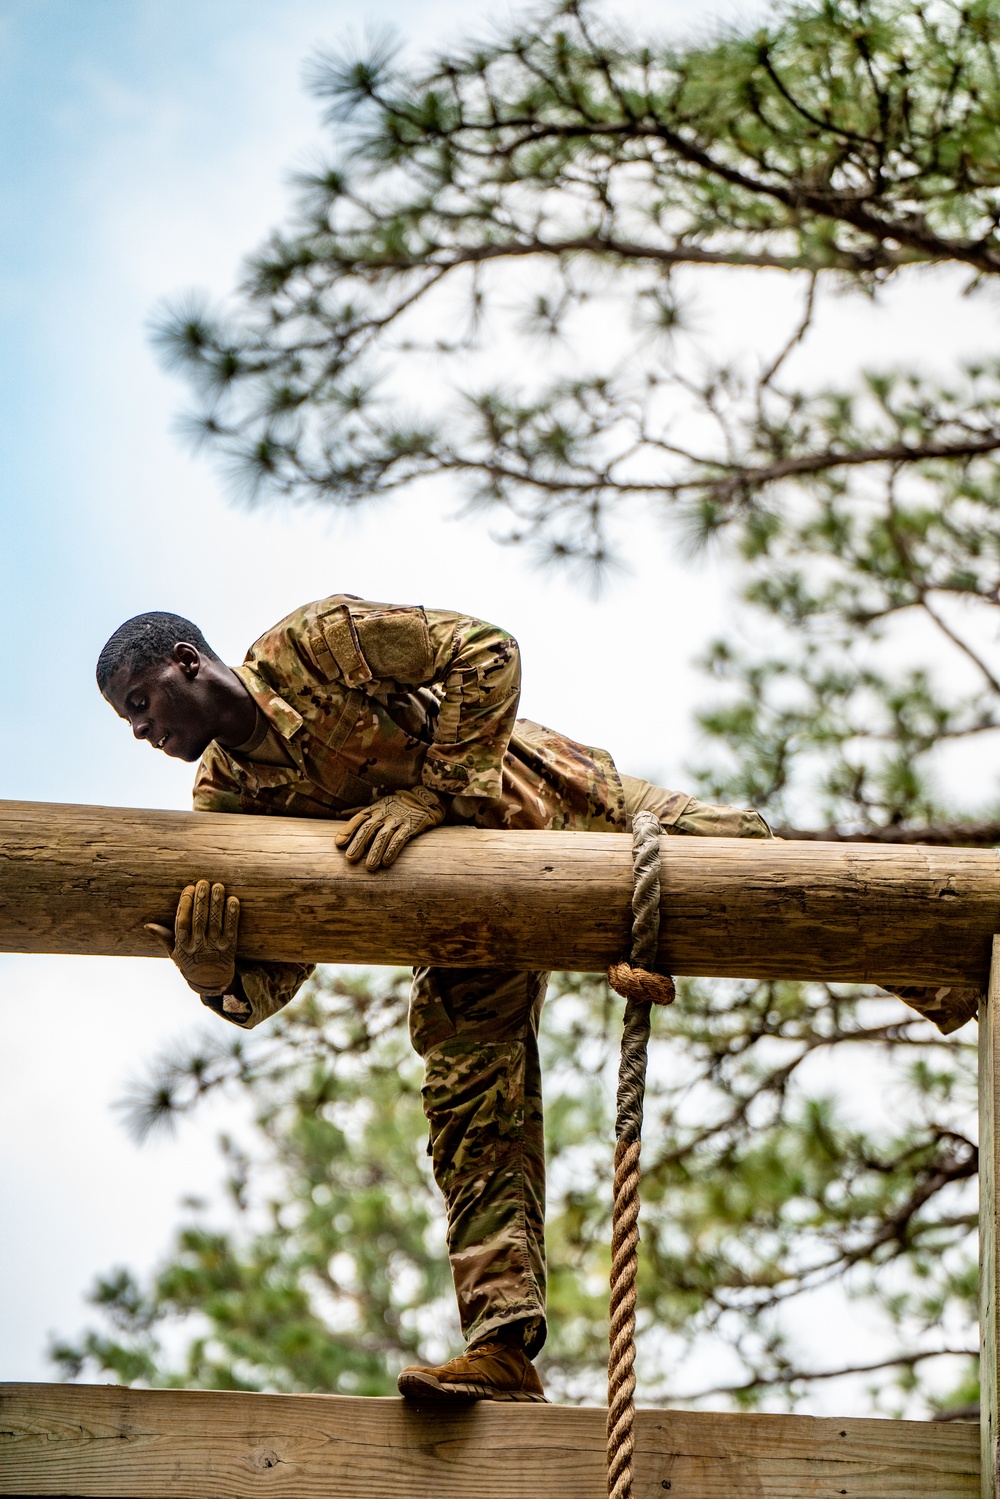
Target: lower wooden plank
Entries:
(106, 1442)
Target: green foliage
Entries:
(882, 606)
(759, 1188)
(847, 143)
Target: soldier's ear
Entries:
(188, 658)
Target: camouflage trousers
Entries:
(477, 1031)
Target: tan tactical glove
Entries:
(387, 826)
(203, 941)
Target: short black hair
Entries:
(146, 639)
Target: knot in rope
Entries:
(635, 978)
(642, 988)
(638, 983)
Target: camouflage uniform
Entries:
(370, 698)
(477, 1030)
(361, 698)
(364, 698)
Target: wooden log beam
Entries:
(85, 879)
(163, 1444)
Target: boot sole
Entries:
(426, 1387)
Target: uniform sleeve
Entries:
(478, 675)
(265, 987)
(473, 669)
(948, 1006)
(268, 987)
(707, 820)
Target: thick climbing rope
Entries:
(640, 987)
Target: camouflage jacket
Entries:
(371, 697)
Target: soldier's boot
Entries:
(489, 1369)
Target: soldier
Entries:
(399, 719)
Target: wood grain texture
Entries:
(989, 1228)
(85, 879)
(157, 1444)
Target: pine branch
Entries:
(611, 247)
(748, 477)
(792, 1375)
(939, 835)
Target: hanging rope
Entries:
(641, 987)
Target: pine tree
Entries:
(562, 171)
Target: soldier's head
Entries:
(160, 674)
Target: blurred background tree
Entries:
(570, 185)
(325, 1268)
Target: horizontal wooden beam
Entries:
(85, 879)
(118, 1443)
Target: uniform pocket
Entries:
(462, 692)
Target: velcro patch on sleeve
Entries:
(395, 643)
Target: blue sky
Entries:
(144, 149)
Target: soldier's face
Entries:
(166, 704)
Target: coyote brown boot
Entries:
(487, 1370)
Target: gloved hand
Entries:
(387, 826)
(203, 941)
